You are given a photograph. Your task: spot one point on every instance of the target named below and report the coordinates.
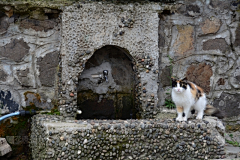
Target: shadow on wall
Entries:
(112, 96)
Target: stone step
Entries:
(4, 147)
(232, 152)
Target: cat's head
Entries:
(179, 86)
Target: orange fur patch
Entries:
(196, 91)
(179, 109)
(193, 90)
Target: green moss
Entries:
(54, 111)
(234, 143)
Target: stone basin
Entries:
(54, 137)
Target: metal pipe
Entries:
(21, 113)
(9, 115)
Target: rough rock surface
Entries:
(52, 138)
(211, 25)
(3, 24)
(48, 68)
(215, 44)
(3, 75)
(184, 43)
(228, 104)
(23, 77)
(165, 76)
(37, 25)
(200, 74)
(237, 40)
(133, 33)
(15, 50)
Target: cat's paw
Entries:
(199, 117)
(179, 119)
(184, 119)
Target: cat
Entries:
(188, 96)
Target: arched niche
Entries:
(99, 97)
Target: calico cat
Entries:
(188, 96)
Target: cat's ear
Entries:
(184, 80)
(173, 79)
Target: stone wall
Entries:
(197, 40)
(29, 51)
(91, 26)
(54, 137)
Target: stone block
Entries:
(4, 147)
(38, 14)
(193, 10)
(189, 10)
(3, 24)
(224, 65)
(3, 75)
(211, 25)
(183, 45)
(228, 104)
(235, 79)
(23, 78)
(48, 68)
(38, 25)
(142, 138)
(15, 50)
(218, 4)
(200, 74)
(165, 77)
(237, 40)
(35, 99)
(161, 34)
(215, 44)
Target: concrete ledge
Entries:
(56, 138)
(4, 147)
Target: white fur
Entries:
(184, 98)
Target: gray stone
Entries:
(23, 78)
(48, 68)
(3, 75)
(3, 24)
(37, 25)
(237, 40)
(228, 104)
(15, 50)
(165, 77)
(221, 5)
(4, 147)
(216, 44)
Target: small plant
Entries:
(168, 101)
(234, 143)
(54, 112)
(169, 104)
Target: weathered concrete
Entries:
(136, 33)
(54, 137)
(4, 147)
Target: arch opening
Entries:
(111, 95)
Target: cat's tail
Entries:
(212, 111)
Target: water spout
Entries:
(105, 75)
